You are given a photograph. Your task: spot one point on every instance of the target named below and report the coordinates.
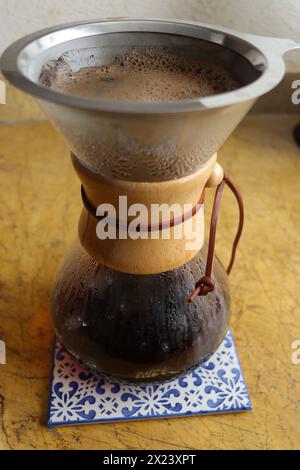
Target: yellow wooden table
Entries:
(40, 205)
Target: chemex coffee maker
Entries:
(149, 307)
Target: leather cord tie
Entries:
(206, 284)
(146, 228)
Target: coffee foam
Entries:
(147, 76)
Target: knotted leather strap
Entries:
(206, 283)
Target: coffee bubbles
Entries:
(143, 76)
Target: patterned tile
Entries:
(79, 397)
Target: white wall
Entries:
(267, 17)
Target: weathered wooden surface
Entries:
(40, 205)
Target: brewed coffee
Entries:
(138, 327)
(145, 76)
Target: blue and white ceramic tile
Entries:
(79, 397)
